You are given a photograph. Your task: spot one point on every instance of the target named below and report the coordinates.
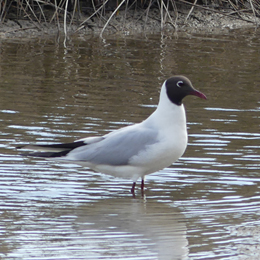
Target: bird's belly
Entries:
(132, 172)
(160, 156)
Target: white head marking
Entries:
(179, 83)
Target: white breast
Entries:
(171, 142)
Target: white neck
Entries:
(168, 113)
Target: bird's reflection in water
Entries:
(139, 228)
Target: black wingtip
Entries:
(50, 151)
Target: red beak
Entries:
(198, 94)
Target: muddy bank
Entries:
(197, 21)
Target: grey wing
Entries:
(116, 148)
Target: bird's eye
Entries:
(180, 84)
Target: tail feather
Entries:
(52, 150)
(45, 154)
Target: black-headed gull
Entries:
(136, 150)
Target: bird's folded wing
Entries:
(117, 148)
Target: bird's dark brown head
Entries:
(178, 87)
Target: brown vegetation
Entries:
(84, 13)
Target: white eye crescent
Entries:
(179, 84)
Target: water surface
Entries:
(205, 206)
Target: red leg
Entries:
(133, 188)
(142, 184)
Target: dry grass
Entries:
(66, 12)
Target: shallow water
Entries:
(205, 206)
